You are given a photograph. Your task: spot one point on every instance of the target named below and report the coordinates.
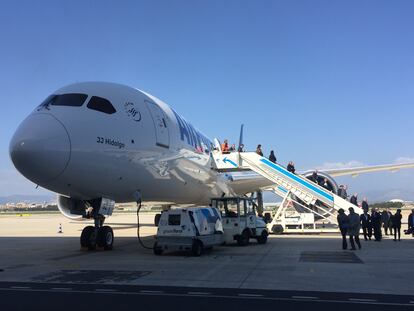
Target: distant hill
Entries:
(387, 195)
(31, 198)
(372, 195)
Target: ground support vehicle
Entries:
(240, 222)
(189, 229)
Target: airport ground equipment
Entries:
(317, 199)
(189, 229)
(240, 222)
(287, 219)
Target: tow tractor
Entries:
(240, 222)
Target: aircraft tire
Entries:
(88, 237)
(197, 248)
(244, 238)
(262, 239)
(277, 229)
(157, 250)
(105, 237)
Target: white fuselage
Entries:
(144, 146)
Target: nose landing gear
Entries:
(98, 235)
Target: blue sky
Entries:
(317, 81)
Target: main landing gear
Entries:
(99, 235)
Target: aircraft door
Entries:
(160, 124)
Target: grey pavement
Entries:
(288, 262)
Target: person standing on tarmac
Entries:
(385, 219)
(353, 228)
(272, 157)
(343, 223)
(259, 150)
(376, 224)
(291, 167)
(411, 222)
(390, 226)
(396, 222)
(366, 225)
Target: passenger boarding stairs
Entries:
(286, 183)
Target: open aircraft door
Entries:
(160, 124)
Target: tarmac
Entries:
(33, 252)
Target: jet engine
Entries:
(319, 206)
(332, 185)
(72, 208)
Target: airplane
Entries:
(97, 143)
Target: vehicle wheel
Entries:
(157, 250)
(157, 219)
(262, 239)
(105, 237)
(88, 237)
(277, 229)
(244, 238)
(197, 248)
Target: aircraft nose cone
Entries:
(40, 148)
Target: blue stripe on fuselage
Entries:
(297, 179)
(190, 135)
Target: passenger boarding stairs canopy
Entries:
(285, 181)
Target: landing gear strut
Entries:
(98, 235)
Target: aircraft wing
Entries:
(247, 181)
(355, 171)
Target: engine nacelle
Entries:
(321, 177)
(72, 208)
(319, 206)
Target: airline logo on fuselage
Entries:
(132, 111)
(191, 136)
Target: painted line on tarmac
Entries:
(151, 291)
(61, 288)
(249, 295)
(198, 293)
(362, 299)
(171, 294)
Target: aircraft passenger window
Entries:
(101, 104)
(72, 99)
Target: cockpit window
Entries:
(45, 104)
(71, 99)
(101, 104)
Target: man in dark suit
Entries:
(366, 225)
(376, 224)
(385, 219)
(365, 205)
(411, 222)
